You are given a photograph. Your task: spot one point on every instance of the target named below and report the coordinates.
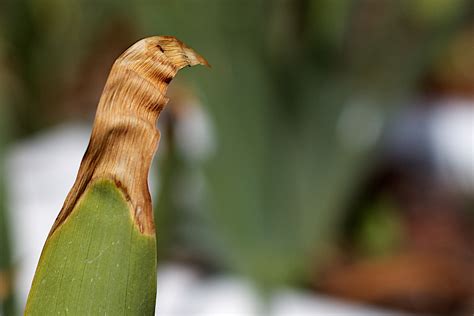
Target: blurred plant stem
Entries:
(163, 209)
(7, 302)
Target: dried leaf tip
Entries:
(173, 50)
(124, 136)
(172, 47)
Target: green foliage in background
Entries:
(380, 230)
(299, 93)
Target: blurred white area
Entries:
(40, 172)
(182, 293)
(194, 133)
(438, 137)
(452, 136)
(42, 169)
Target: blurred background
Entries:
(323, 166)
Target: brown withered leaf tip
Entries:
(124, 136)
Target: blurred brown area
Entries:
(431, 268)
(453, 73)
(410, 281)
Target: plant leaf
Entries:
(100, 255)
(97, 261)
